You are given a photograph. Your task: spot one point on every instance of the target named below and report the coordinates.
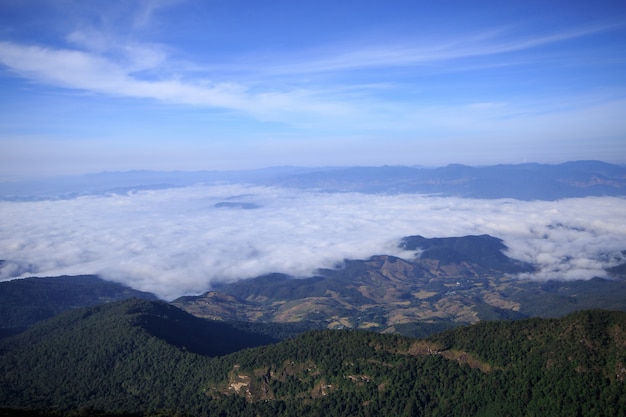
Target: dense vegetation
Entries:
(24, 302)
(119, 356)
(153, 359)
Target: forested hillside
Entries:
(151, 358)
(129, 355)
(24, 302)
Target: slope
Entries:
(24, 302)
(451, 280)
(116, 356)
(565, 367)
(107, 357)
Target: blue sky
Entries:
(230, 84)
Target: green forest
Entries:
(149, 358)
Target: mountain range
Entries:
(453, 280)
(522, 181)
(530, 181)
(450, 281)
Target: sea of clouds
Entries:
(175, 242)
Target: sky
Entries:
(233, 84)
(179, 241)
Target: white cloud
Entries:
(105, 63)
(121, 76)
(412, 53)
(147, 9)
(175, 242)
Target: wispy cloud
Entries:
(175, 242)
(147, 10)
(397, 54)
(89, 72)
(109, 65)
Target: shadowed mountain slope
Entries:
(484, 251)
(118, 355)
(24, 302)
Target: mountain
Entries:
(522, 181)
(122, 358)
(123, 182)
(571, 366)
(120, 354)
(453, 280)
(529, 181)
(24, 302)
(484, 251)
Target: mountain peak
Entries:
(483, 250)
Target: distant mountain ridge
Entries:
(529, 181)
(522, 182)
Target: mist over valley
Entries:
(330, 208)
(182, 239)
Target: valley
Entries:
(454, 280)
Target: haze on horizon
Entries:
(190, 85)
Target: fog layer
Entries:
(180, 241)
